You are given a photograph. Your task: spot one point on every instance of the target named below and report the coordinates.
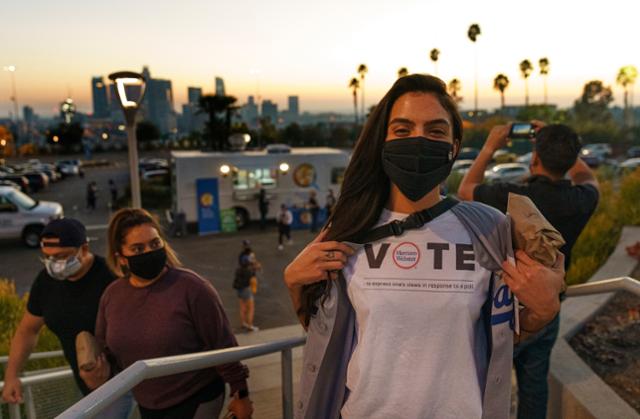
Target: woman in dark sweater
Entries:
(159, 309)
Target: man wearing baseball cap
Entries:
(64, 296)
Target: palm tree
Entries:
(362, 70)
(472, 34)
(500, 83)
(544, 71)
(354, 85)
(402, 71)
(626, 78)
(212, 106)
(434, 54)
(525, 70)
(454, 88)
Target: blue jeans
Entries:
(119, 409)
(531, 359)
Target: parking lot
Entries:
(213, 257)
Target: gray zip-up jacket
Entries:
(332, 331)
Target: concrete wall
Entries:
(575, 391)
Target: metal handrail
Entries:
(139, 371)
(623, 283)
(27, 382)
(37, 355)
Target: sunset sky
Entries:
(310, 49)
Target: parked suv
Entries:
(22, 216)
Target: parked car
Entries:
(468, 153)
(6, 182)
(461, 166)
(24, 217)
(630, 164)
(524, 159)
(37, 180)
(592, 158)
(148, 164)
(633, 152)
(504, 156)
(48, 169)
(507, 172)
(599, 148)
(20, 180)
(68, 167)
(156, 176)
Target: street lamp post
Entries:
(14, 96)
(130, 107)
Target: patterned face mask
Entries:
(62, 269)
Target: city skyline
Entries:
(310, 50)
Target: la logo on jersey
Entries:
(406, 255)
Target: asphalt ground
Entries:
(212, 256)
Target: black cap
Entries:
(71, 232)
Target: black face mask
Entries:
(148, 265)
(416, 165)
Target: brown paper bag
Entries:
(532, 233)
(87, 351)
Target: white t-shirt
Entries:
(421, 350)
(285, 217)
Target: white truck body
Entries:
(21, 216)
(318, 169)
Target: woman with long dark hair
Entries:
(158, 309)
(407, 310)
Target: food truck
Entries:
(287, 174)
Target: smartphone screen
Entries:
(521, 130)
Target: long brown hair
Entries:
(365, 188)
(119, 226)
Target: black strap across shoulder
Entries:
(413, 221)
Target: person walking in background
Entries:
(247, 251)
(65, 297)
(314, 209)
(285, 218)
(263, 207)
(113, 190)
(566, 203)
(243, 283)
(178, 312)
(330, 203)
(92, 191)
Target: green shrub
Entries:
(616, 209)
(12, 308)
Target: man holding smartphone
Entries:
(566, 203)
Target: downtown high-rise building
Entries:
(294, 106)
(158, 103)
(28, 115)
(194, 94)
(100, 99)
(270, 111)
(220, 91)
(292, 114)
(249, 113)
(192, 119)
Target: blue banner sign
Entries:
(208, 206)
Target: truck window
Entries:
(6, 205)
(248, 179)
(22, 200)
(337, 175)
